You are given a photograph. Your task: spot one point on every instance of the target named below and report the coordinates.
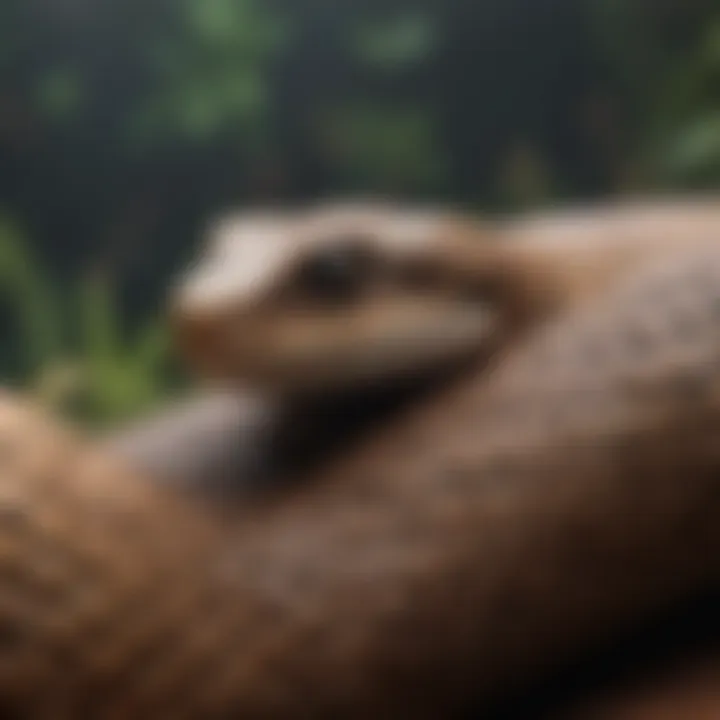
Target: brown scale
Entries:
(455, 554)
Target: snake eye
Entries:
(338, 272)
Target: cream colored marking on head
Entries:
(244, 255)
(247, 254)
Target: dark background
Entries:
(124, 124)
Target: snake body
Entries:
(512, 522)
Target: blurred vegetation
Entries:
(124, 125)
(69, 346)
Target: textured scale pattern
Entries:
(513, 522)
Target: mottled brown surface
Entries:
(667, 671)
(514, 523)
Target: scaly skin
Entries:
(441, 286)
(513, 522)
(542, 263)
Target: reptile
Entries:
(357, 294)
(358, 310)
(509, 523)
(345, 315)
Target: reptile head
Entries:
(326, 299)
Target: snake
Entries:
(510, 521)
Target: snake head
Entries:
(328, 298)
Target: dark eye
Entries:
(339, 272)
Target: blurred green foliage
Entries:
(208, 74)
(668, 57)
(125, 125)
(71, 347)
